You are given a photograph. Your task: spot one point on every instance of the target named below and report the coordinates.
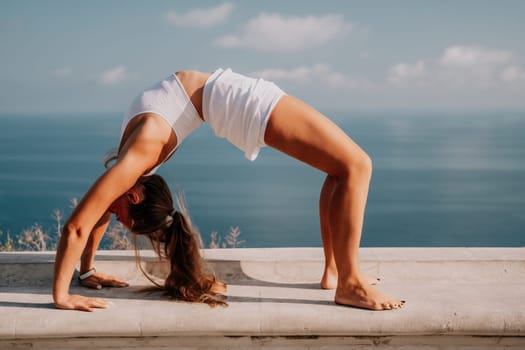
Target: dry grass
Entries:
(117, 237)
(8, 245)
(231, 240)
(36, 238)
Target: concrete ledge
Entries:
(469, 297)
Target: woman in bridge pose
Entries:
(250, 113)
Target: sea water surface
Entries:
(440, 179)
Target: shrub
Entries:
(231, 240)
(117, 237)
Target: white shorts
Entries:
(238, 108)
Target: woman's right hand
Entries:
(79, 302)
(99, 280)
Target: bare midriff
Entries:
(193, 82)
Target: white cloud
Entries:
(201, 18)
(402, 73)
(114, 75)
(512, 73)
(459, 66)
(464, 56)
(273, 32)
(316, 74)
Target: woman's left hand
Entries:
(99, 280)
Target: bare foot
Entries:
(362, 295)
(329, 280)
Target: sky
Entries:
(95, 56)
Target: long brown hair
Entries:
(174, 239)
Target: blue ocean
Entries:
(440, 179)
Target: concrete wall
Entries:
(457, 298)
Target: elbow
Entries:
(73, 234)
(70, 229)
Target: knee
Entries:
(358, 167)
(362, 166)
(367, 164)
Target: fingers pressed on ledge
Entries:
(98, 303)
(81, 303)
(118, 283)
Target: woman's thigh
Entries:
(302, 132)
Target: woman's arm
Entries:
(106, 189)
(98, 279)
(88, 255)
(140, 153)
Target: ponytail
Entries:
(174, 239)
(188, 280)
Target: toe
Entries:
(399, 304)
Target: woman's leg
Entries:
(303, 133)
(329, 279)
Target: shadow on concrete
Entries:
(39, 274)
(243, 299)
(27, 305)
